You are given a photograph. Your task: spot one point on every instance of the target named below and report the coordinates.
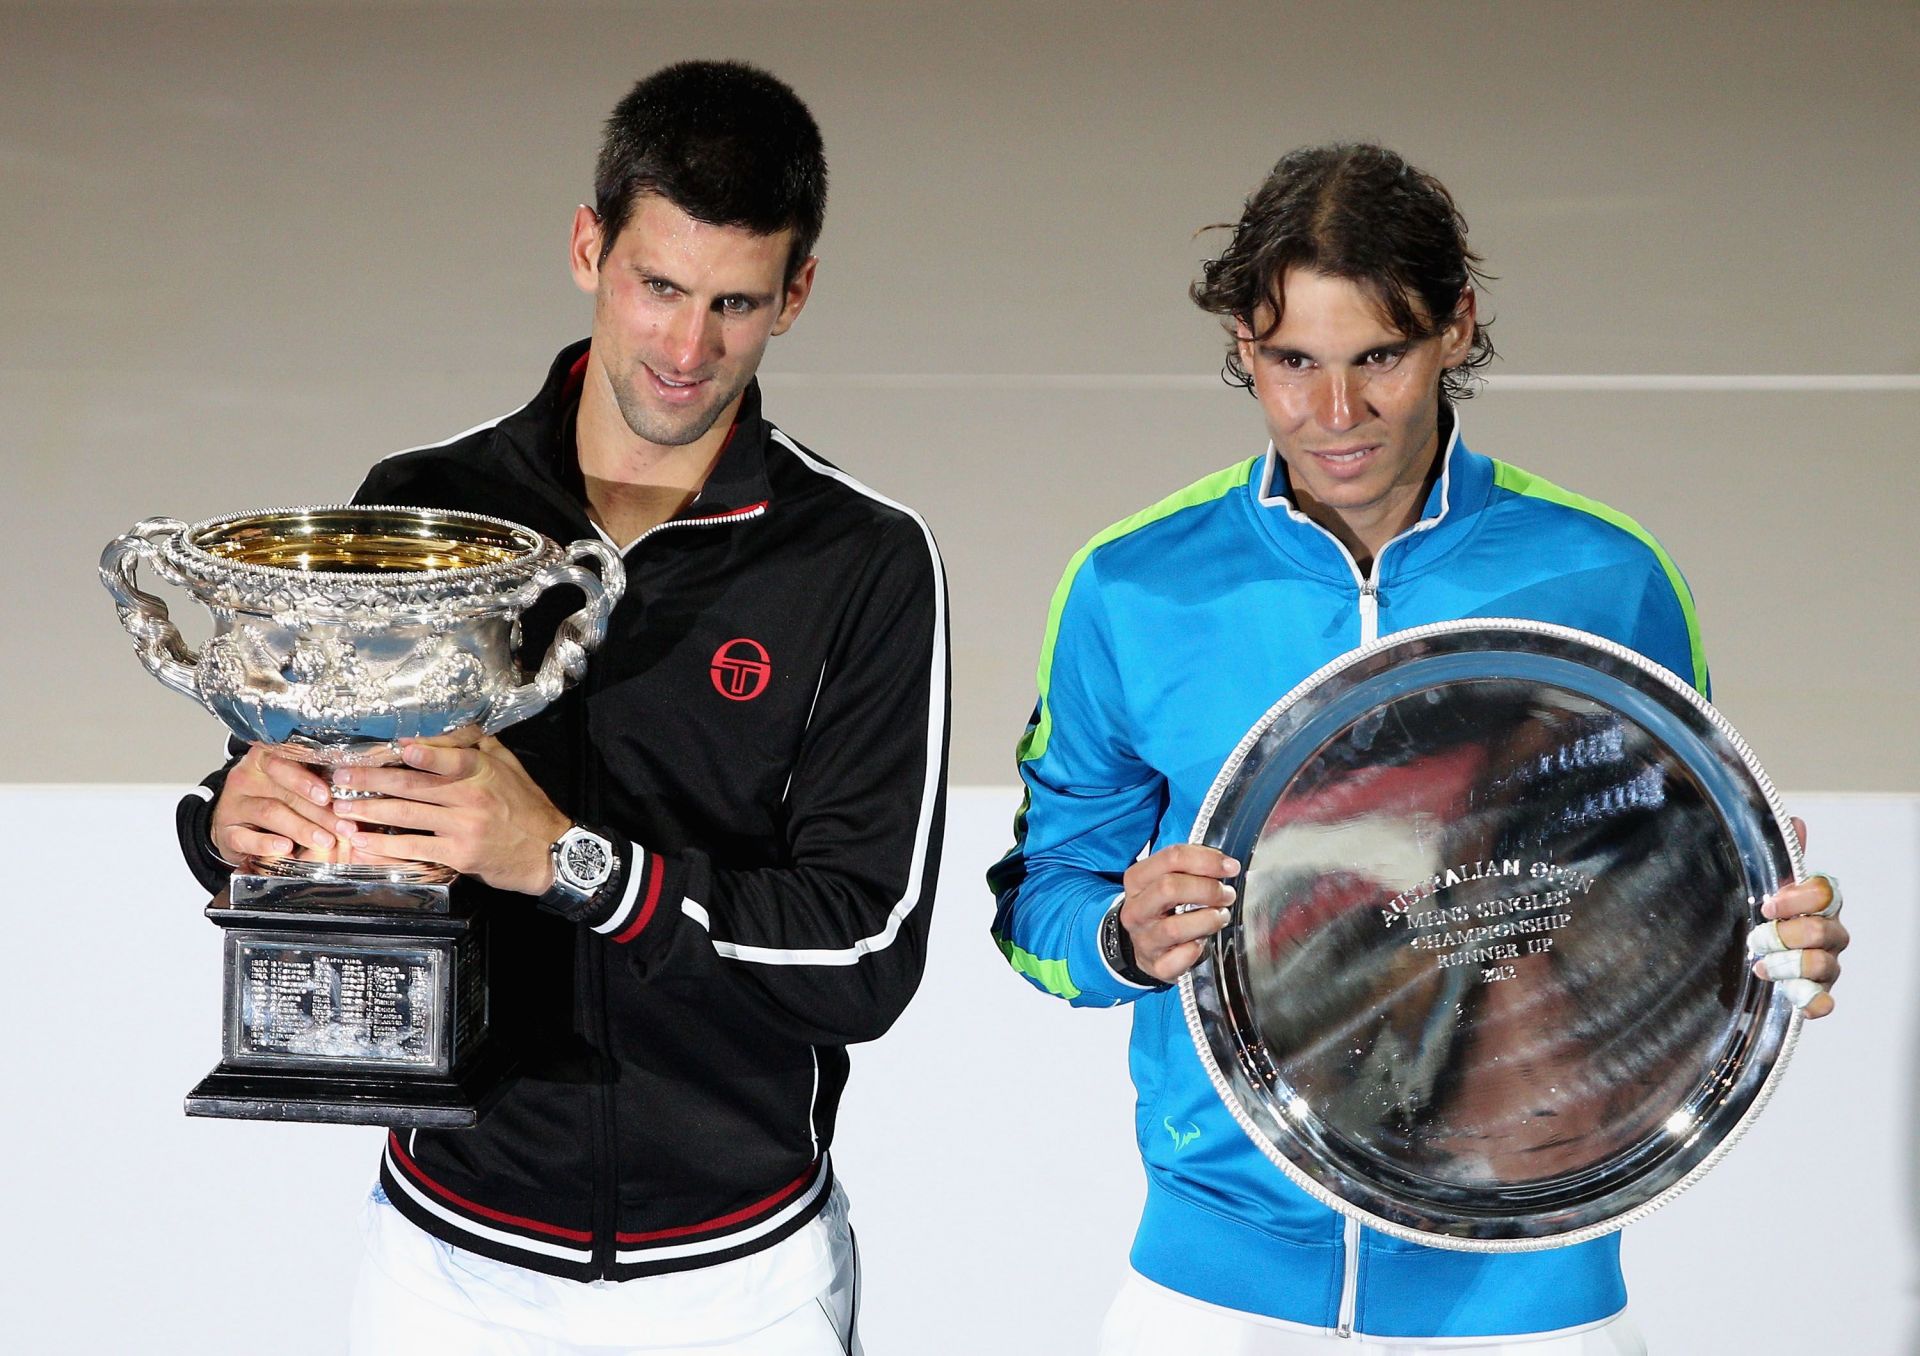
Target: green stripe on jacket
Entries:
(1216, 486)
(1522, 482)
(1050, 974)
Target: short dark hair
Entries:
(726, 143)
(1355, 211)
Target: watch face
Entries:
(586, 860)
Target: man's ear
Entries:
(799, 288)
(1456, 340)
(583, 249)
(1243, 342)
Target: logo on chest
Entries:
(740, 670)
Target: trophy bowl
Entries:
(341, 629)
(1485, 987)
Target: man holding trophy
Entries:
(710, 866)
(1348, 291)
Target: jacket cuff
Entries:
(193, 820)
(644, 892)
(1087, 959)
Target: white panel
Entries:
(132, 1227)
(1822, 1190)
(985, 1141)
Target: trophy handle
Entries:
(156, 639)
(578, 636)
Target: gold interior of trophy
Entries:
(364, 541)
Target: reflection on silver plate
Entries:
(1486, 985)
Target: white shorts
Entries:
(417, 1294)
(1151, 1320)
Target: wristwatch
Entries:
(1116, 945)
(583, 862)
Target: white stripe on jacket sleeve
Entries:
(930, 788)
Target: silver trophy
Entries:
(1485, 986)
(357, 991)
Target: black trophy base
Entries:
(431, 1102)
(351, 1004)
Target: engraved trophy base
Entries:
(353, 1003)
(426, 1102)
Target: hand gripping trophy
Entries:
(356, 991)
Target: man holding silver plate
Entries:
(709, 867)
(1400, 903)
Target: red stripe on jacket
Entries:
(720, 1222)
(654, 875)
(517, 1221)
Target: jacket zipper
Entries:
(1368, 584)
(1369, 606)
(717, 520)
(1369, 600)
(608, 1206)
(1350, 1278)
(606, 1222)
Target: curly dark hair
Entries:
(726, 143)
(1355, 211)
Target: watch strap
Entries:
(1116, 948)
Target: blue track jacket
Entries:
(1170, 634)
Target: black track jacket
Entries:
(767, 723)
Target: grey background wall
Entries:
(252, 247)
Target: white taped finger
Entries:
(1801, 992)
(1765, 940)
(1833, 887)
(1778, 965)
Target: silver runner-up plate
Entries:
(1485, 986)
